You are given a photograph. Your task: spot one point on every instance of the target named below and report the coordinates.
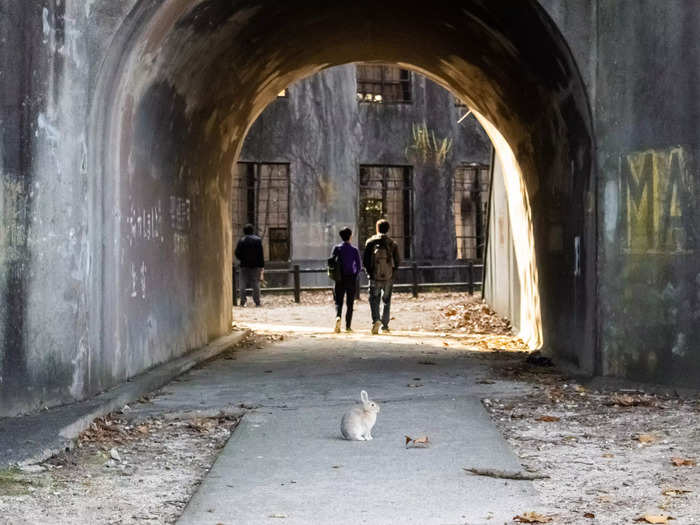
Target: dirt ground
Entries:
(119, 473)
(612, 456)
(452, 316)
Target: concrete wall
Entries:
(647, 115)
(502, 281)
(325, 134)
(46, 72)
(113, 232)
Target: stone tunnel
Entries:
(121, 122)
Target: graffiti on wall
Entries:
(657, 199)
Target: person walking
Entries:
(249, 251)
(381, 259)
(350, 264)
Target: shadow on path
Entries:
(286, 460)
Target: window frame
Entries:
(480, 187)
(408, 200)
(252, 174)
(406, 85)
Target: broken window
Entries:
(380, 83)
(471, 194)
(386, 192)
(260, 196)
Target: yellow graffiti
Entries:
(653, 184)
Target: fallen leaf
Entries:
(532, 517)
(608, 455)
(646, 438)
(627, 400)
(589, 515)
(675, 492)
(420, 442)
(548, 419)
(683, 462)
(654, 518)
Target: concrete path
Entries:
(287, 464)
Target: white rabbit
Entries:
(357, 422)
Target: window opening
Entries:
(386, 192)
(471, 191)
(381, 83)
(261, 197)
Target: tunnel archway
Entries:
(183, 83)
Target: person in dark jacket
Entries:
(381, 259)
(249, 251)
(351, 265)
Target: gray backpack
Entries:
(382, 260)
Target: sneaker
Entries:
(385, 330)
(375, 327)
(348, 330)
(336, 329)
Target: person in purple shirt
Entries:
(351, 265)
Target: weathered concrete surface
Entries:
(292, 463)
(121, 121)
(297, 391)
(34, 438)
(646, 117)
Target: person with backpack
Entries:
(381, 259)
(249, 251)
(344, 267)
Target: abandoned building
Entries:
(357, 143)
(122, 123)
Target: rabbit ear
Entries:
(364, 397)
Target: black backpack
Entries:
(335, 268)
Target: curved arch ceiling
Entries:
(184, 82)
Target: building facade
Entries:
(356, 143)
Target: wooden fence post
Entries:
(414, 269)
(297, 284)
(470, 277)
(233, 282)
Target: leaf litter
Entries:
(121, 471)
(624, 454)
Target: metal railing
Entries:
(414, 286)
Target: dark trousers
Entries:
(250, 278)
(345, 287)
(380, 291)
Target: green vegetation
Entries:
(426, 147)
